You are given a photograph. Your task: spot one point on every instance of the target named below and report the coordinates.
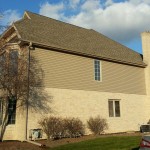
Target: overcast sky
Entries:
(121, 20)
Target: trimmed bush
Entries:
(97, 125)
(52, 126)
(73, 127)
(56, 127)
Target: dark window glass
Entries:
(13, 67)
(117, 109)
(111, 111)
(2, 64)
(12, 110)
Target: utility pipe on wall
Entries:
(28, 93)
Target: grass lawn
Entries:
(104, 143)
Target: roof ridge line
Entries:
(57, 20)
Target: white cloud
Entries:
(139, 1)
(10, 16)
(52, 10)
(122, 21)
(146, 1)
(74, 3)
(108, 2)
(90, 5)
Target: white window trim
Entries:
(114, 112)
(100, 65)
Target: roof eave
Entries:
(82, 54)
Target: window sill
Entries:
(10, 125)
(114, 117)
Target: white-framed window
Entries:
(97, 70)
(114, 107)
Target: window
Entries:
(0, 111)
(114, 108)
(12, 110)
(13, 68)
(2, 62)
(97, 70)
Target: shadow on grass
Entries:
(137, 148)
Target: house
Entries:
(86, 73)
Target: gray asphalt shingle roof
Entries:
(50, 32)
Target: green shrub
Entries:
(97, 125)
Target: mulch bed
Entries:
(17, 145)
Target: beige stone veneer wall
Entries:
(83, 104)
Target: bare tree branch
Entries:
(14, 81)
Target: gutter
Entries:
(83, 54)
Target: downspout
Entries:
(28, 92)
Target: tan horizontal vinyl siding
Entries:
(68, 71)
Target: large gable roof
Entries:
(50, 32)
